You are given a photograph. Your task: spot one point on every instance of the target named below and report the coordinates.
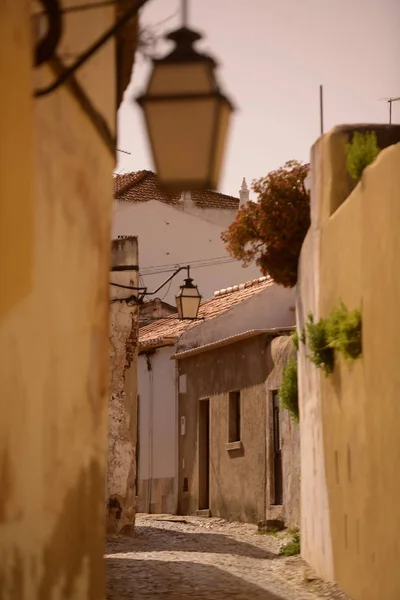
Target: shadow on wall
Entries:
(213, 543)
(177, 580)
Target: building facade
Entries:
(257, 304)
(178, 230)
(238, 449)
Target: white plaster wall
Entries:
(169, 236)
(218, 216)
(273, 307)
(316, 541)
(157, 422)
(144, 388)
(165, 415)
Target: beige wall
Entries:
(55, 213)
(316, 541)
(122, 408)
(363, 450)
(359, 253)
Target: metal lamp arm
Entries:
(130, 12)
(169, 279)
(144, 291)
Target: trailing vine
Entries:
(321, 354)
(288, 391)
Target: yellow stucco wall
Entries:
(359, 263)
(55, 213)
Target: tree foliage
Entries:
(271, 231)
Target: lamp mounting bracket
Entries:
(47, 47)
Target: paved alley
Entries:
(174, 558)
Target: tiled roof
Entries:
(166, 331)
(142, 186)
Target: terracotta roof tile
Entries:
(142, 186)
(168, 330)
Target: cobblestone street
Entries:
(175, 558)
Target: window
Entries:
(234, 417)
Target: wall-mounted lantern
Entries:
(187, 300)
(186, 116)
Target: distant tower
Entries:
(243, 193)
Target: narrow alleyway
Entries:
(174, 558)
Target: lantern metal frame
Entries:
(188, 284)
(184, 52)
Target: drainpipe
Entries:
(177, 438)
(151, 419)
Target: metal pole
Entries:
(390, 112)
(321, 108)
(184, 5)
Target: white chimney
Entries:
(187, 202)
(244, 193)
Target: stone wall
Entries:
(239, 473)
(122, 418)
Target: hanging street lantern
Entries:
(187, 116)
(188, 300)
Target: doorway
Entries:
(277, 447)
(204, 454)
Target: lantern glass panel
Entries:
(188, 302)
(181, 78)
(182, 134)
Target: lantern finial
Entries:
(184, 4)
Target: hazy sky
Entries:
(273, 56)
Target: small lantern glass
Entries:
(188, 300)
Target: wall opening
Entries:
(277, 446)
(234, 419)
(204, 454)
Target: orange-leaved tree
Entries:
(271, 231)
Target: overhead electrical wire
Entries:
(159, 269)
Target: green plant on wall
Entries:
(288, 391)
(320, 352)
(344, 331)
(340, 332)
(295, 339)
(361, 152)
